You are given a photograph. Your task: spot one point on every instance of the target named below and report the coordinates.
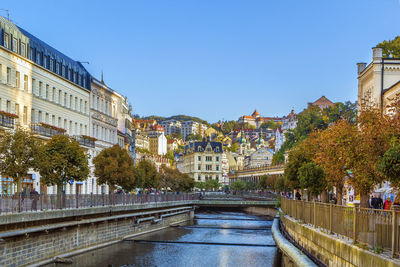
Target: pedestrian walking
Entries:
(298, 195)
(388, 204)
(34, 197)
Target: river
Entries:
(213, 238)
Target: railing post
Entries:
(315, 214)
(76, 200)
(395, 227)
(330, 217)
(355, 224)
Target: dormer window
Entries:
(199, 148)
(23, 51)
(6, 40)
(217, 149)
(15, 45)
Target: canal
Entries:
(213, 238)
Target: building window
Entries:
(208, 158)
(208, 167)
(59, 122)
(59, 97)
(17, 79)
(32, 116)
(199, 167)
(40, 89)
(46, 119)
(58, 68)
(47, 92)
(23, 47)
(65, 99)
(38, 61)
(53, 120)
(6, 40)
(70, 101)
(51, 64)
(39, 117)
(216, 158)
(80, 105)
(17, 109)
(76, 103)
(199, 158)
(217, 167)
(85, 107)
(8, 75)
(31, 53)
(33, 86)
(44, 61)
(53, 95)
(15, 45)
(26, 83)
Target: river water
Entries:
(212, 239)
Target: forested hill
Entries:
(180, 118)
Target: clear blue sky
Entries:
(216, 59)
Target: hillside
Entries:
(180, 118)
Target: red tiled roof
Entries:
(255, 113)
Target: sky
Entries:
(216, 59)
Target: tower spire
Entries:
(102, 80)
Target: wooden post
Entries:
(315, 214)
(355, 224)
(330, 217)
(395, 227)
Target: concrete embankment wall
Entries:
(82, 234)
(333, 251)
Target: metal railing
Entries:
(7, 121)
(378, 229)
(32, 203)
(85, 141)
(38, 128)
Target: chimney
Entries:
(361, 67)
(377, 53)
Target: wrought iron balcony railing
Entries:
(7, 121)
(86, 140)
(46, 129)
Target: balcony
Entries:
(7, 120)
(85, 140)
(45, 129)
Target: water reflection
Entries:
(129, 253)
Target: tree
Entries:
(280, 184)
(311, 177)
(391, 47)
(18, 154)
(212, 184)
(200, 185)
(341, 111)
(114, 167)
(389, 164)
(335, 149)
(175, 180)
(297, 157)
(228, 127)
(146, 175)
(238, 185)
(262, 183)
(270, 125)
(62, 160)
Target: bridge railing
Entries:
(374, 229)
(32, 203)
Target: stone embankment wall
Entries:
(43, 246)
(333, 251)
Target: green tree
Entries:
(297, 157)
(391, 47)
(238, 185)
(262, 183)
(341, 111)
(270, 125)
(18, 154)
(389, 164)
(146, 175)
(228, 126)
(114, 167)
(234, 147)
(212, 184)
(312, 178)
(200, 185)
(62, 160)
(280, 184)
